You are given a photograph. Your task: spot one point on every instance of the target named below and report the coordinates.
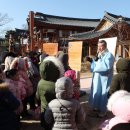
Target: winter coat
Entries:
(22, 66)
(8, 104)
(50, 70)
(17, 88)
(119, 105)
(33, 73)
(17, 91)
(76, 85)
(64, 111)
(122, 79)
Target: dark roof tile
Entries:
(58, 20)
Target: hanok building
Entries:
(16, 40)
(45, 28)
(111, 25)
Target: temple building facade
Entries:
(46, 28)
(111, 25)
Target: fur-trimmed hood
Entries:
(19, 63)
(121, 107)
(64, 88)
(51, 69)
(63, 57)
(119, 104)
(114, 97)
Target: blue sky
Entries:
(18, 10)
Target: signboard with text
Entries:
(75, 54)
(50, 48)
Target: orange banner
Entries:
(50, 48)
(75, 54)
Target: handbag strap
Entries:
(63, 106)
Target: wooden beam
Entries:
(31, 26)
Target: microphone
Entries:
(96, 57)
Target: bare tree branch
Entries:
(4, 19)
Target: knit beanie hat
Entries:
(71, 74)
(51, 69)
(64, 88)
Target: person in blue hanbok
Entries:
(102, 69)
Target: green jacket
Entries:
(50, 70)
(45, 93)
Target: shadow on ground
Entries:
(92, 122)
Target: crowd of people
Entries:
(52, 90)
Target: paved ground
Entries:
(92, 122)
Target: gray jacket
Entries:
(64, 111)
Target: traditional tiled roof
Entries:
(94, 33)
(87, 35)
(66, 21)
(115, 18)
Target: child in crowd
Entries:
(8, 104)
(119, 105)
(76, 85)
(21, 65)
(51, 69)
(12, 78)
(64, 112)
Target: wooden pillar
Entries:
(22, 47)
(129, 51)
(11, 43)
(120, 50)
(89, 50)
(31, 26)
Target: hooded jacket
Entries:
(64, 111)
(122, 79)
(119, 105)
(8, 104)
(50, 70)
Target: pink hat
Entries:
(121, 107)
(116, 95)
(71, 74)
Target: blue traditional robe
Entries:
(102, 77)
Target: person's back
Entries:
(76, 84)
(50, 70)
(8, 104)
(122, 79)
(64, 111)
